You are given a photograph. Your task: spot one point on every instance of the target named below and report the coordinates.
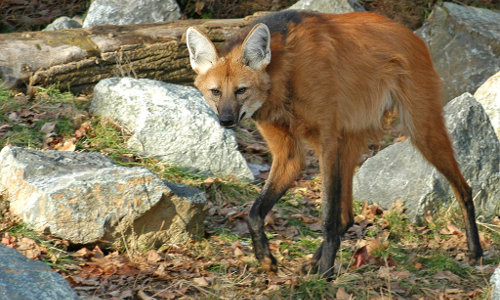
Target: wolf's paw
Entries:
(269, 264)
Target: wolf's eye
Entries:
(215, 92)
(241, 91)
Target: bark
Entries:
(78, 58)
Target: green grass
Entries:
(217, 268)
(26, 116)
(64, 126)
(310, 243)
(105, 137)
(399, 225)
(305, 245)
(303, 229)
(228, 236)
(7, 101)
(309, 287)
(437, 261)
(23, 137)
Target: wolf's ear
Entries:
(257, 47)
(202, 53)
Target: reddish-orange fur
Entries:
(330, 80)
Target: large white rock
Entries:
(400, 171)
(86, 198)
(495, 282)
(465, 46)
(488, 95)
(328, 6)
(122, 12)
(172, 123)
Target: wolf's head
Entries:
(236, 85)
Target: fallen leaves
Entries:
(8, 240)
(26, 246)
(50, 249)
(201, 281)
(48, 127)
(237, 246)
(451, 229)
(68, 143)
(448, 276)
(342, 294)
(29, 248)
(65, 146)
(367, 254)
(218, 266)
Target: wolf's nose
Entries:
(226, 120)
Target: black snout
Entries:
(226, 120)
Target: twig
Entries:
(489, 226)
(126, 246)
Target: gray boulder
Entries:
(122, 12)
(172, 123)
(85, 198)
(488, 95)
(62, 23)
(465, 46)
(22, 278)
(495, 282)
(329, 6)
(400, 172)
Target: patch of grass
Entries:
(104, 136)
(64, 127)
(22, 118)
(292, 199)
(53, 93)
(4, 92)
(7, 100)
(345, 255)
(372, 231)
(23, 137)
(399, 227)
(172, 173)
(303, 229)
(309, 287)
(231, 191)
(310, 243)
(356, 207)
(305, 245)
(228, 236)
(437, 261)
(217, 268)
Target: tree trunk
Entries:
(78, 58)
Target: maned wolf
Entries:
(327, 79)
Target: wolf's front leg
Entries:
(258, 212)
(288, 160)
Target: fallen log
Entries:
(77, 59)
